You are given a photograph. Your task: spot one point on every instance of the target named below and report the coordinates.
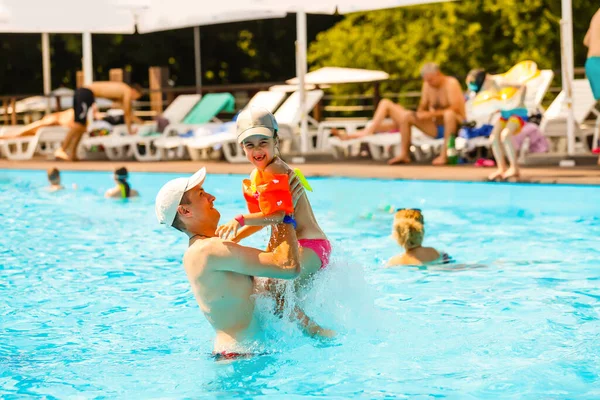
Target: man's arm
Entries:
(282, 262)
(245, 232)
(112, 193)
(127, 112)
(424, 102)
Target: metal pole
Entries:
(197, 59)
(301, 71)
(566, 25)
(46, 68)
(88, 73)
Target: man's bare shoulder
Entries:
(202, 251)
(196, 256)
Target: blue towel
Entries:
(473, 132)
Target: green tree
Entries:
(460, 35)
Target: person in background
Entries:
(440, 113)
(592, 64)
(122, 190)
(54, 180)
(84, 101)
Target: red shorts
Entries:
(320, 246)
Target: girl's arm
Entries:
(245, 232)
(230, 229)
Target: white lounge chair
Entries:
(206, 137)
(45, 141)
(119, 144)
(554, 121)
(173, 144)
(534, 96)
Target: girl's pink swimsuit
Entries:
(320, 246)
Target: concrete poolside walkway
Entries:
(584, 175)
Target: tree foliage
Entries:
(460, 35)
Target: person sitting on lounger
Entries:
(60, 118)
(440, 112)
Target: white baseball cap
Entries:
(255, 121)
(169, 196)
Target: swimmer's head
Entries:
(121, 174)
(408, 228)
(54, 176)
(257, 133)
(475, 79)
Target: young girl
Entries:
(513, 116)
(268, 196)
(122, 190)
(408, 230)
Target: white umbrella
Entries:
(337, 75)
(65, 16)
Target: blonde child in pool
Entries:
(409, 231)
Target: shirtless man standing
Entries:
(221, 273)
(592, 64)
(84, 100)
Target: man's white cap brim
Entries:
(196, 179)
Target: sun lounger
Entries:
(173, 143)
(45, 141)
(554, 121)
(119, 144)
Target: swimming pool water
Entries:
(94, 301)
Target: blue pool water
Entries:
(94, 301)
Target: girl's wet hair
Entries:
(409, 228)
(121, 174)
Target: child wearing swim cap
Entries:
(268, 194)
(409, 231)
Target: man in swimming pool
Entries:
(221, 273)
